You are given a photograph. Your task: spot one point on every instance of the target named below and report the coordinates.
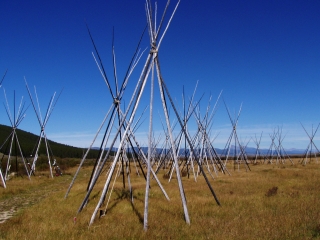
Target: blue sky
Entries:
(264, 55)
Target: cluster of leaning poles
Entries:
(126, 128)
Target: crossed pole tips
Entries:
(42, 122)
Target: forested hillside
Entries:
(28, 143)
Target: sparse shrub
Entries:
(166, 176)
(184, 173)
(123, 193)
(316, 231)
(272, 191)
(42, 163)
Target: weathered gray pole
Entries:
(146, 201)
(165, 110)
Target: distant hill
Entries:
(28, 142)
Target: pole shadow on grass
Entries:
(137, 213)
(124, 195)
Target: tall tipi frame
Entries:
(277, 149)
(1, 175)
(237, 145)
(42, 122)
(125, 137)
(151, 68)
(309, 150)
(13, 137)
(258, 154)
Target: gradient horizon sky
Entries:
(264, 55)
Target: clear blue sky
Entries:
(263, 54)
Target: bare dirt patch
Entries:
(9, 206)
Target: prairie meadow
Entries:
(272, 201)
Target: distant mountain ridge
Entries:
(28, 141)
(250, 151)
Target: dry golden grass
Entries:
(269, 202)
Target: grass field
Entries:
(269, 202)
